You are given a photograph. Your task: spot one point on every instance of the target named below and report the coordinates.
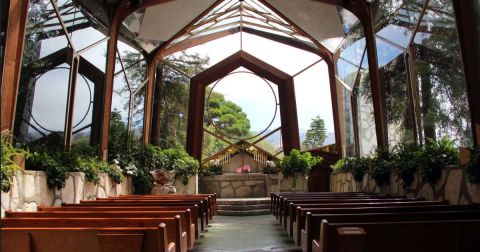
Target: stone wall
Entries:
(29, 190)
(452, 186)
(248, 185)
(179, 187)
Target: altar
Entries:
(240, 185)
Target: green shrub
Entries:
(381, 166)
(8, 166)
(212, 168)
(358, 166)
(436, 155)
(298, 163)
(179, 161)
(406, 161)
(143, 182)
(56, 172)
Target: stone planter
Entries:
(29, 190)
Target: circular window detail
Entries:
(253, 98)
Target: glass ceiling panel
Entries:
(228, 15)
(348, 19)
(386, 52)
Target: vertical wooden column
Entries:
(465, 20)
(195, 119)
(288, 113)
(334, 97)
(156, 107)
(108, 87)
(378, 90)
(147, 119)
(17, 14)
(69, 112)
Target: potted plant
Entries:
(435, 156)
(298, 163)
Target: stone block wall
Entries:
(250, 185)
(452, 186)
(29, 190)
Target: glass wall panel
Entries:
(312, 91)
(83, 107)
(346, 119)
(399, 113)
(439, 72)
(351, 53)
(366, 120)
(43, 70)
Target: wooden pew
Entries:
(201, 208)
(139, 209)
(184, 217)
(274, 196)
(173, 226)
(202, 203)
(212, 198)
(314, 226)
(283, 200)
(294, 209)
(139, 239)
(284, 212)
(209, 199)
(425, 236)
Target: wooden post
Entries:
(17, 14)
(465, 20)
(109, 78)
(378, 90)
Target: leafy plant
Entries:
(296, 163)
(436, 155)
(56, 172)
(381, 166)
(406, 161)
(92, 167)
(340, 166)
(213, 167)
(8, 166)
(271, 167)
(472, 169)
(359, 166)
(179, 161)
(143, 182)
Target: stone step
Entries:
(243, 207)
(244, 213)
(243, 201)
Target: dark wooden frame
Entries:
(286, 93)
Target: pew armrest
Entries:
(171, 247)
(351, 239)
(316, 246)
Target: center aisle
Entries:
(248, 234)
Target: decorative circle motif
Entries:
(222, 131)
(43, 127)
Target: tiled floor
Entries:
(248, 234)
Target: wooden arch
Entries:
(286, 93)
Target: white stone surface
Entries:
(29, 190)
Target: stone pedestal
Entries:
(167, 188)
(233, 185)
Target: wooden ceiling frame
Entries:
(358, 8)
(286, 93)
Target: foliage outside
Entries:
(8, 166)
(316, 134)
(298, 163)
(212, 168)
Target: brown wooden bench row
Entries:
(148, 223)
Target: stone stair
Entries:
(243, 206)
